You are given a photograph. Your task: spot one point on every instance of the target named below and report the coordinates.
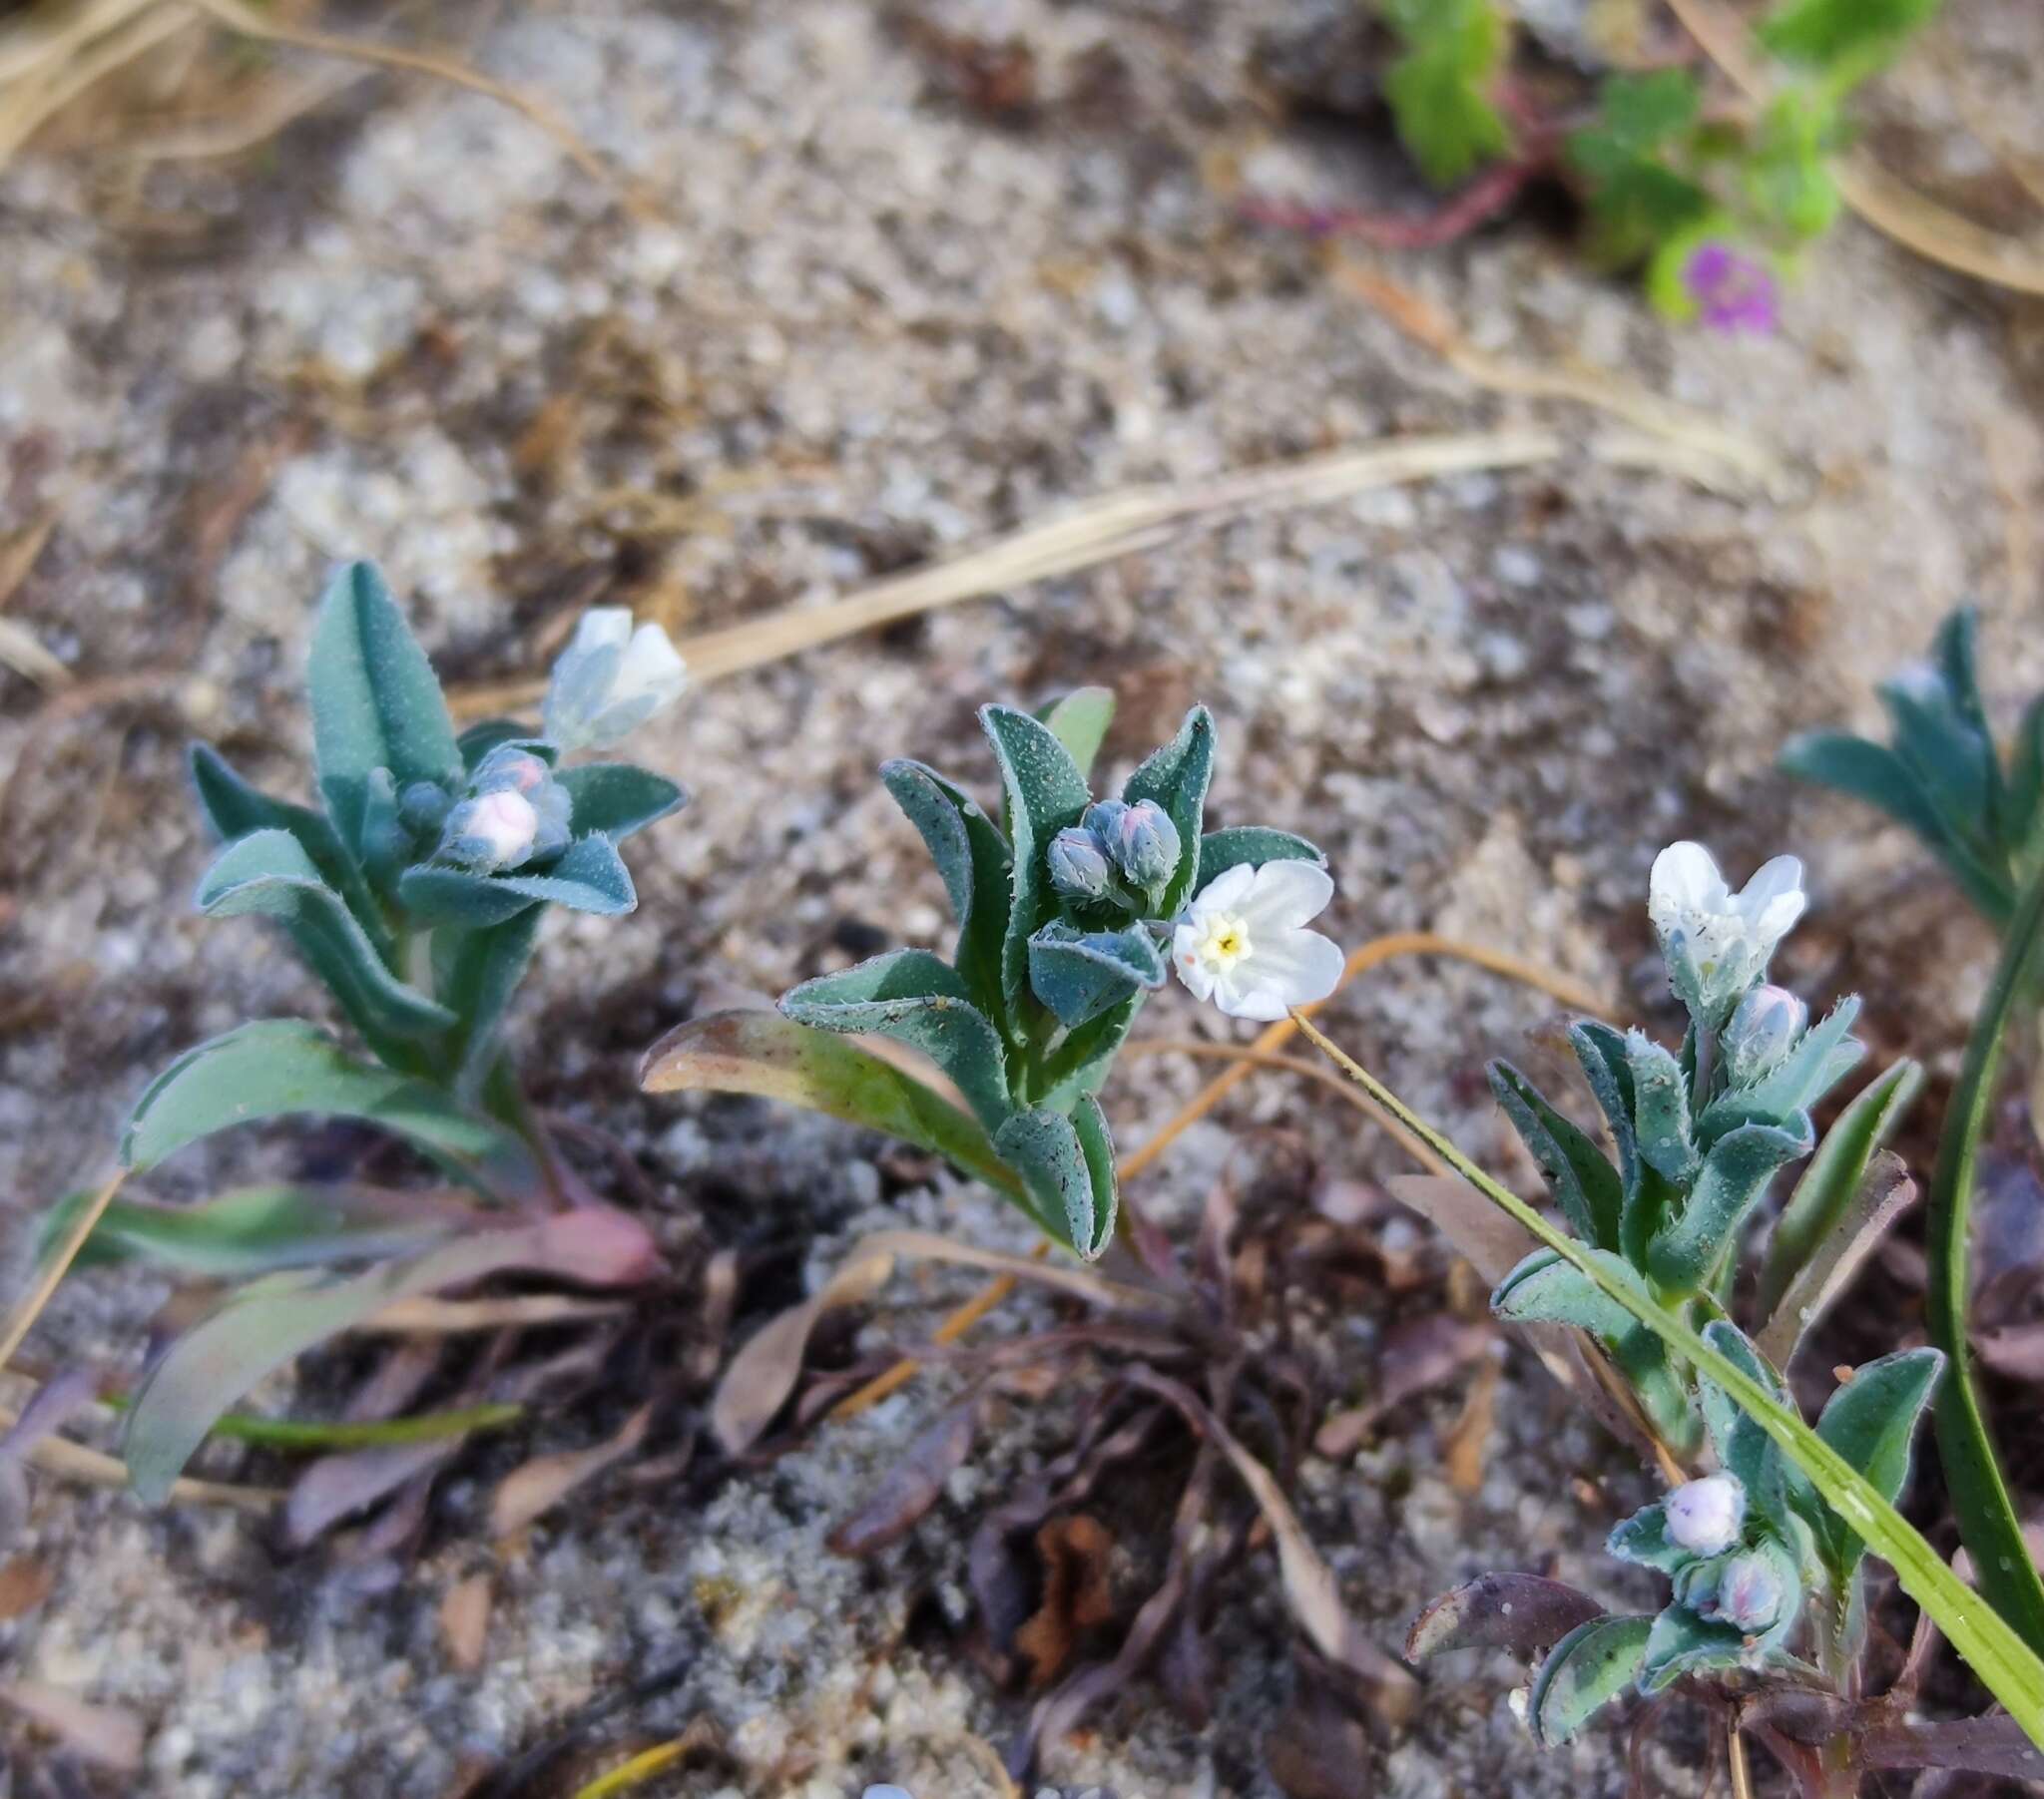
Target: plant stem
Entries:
(1986, 1515)
(315, 1435)
(2006, 1664)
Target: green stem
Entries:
(2006, 1665)
(1986, 1515)
(314, 1436)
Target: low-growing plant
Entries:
(414, 893)
(1714, 202)
(1070, 912)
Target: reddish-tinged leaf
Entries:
(24, 1584)
(544, 1481)
(334, 1487)
(1524, 1614)
(913, 1485)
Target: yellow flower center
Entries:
(1227, 943)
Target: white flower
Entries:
(1241, 943)
(610, 679)
(1718, 943)
(1705, 1517)
(885, 1792)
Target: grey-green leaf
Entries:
(1584, 1672)
(590, 877)
(1660, 1107)
(1682, 1644)
(1871, 1422)
(1745, 1451)
(1546, 1289)
(1584, 1184)
(277, 1067)
(375, 700)
(765, 1053)
(1046, 794)
(1176, 777)
(915, 998)
(978, 873)
(1643, 1540)
(1255, 844)
(1081, 974)
(479, 971)
(1060, 1168)
(1080, 721)
(616, 799)
(1733, 1180)
(269, 873)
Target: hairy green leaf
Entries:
(978, 872)
(1871, 1422)
(1072, 1190)
(1584, 1184)
(1081, 974)
(1046, 794)
(1176, 778)
(1583, 1673)
(617, 800)
(1441, 88)
(589, 877)
(1254, 844)
(1734, 1178)
(1080, 721)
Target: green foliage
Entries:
(1583, 1673)
(1636, 160)
(1843, 40)
(1440, 87)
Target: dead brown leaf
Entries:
(24, 1584)
(107, 1736)
(1077, 1594)
(527, 1493)
(466, 1621)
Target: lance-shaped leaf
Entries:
(617, 800)
(1681, 1642)
(1584, 1672)
(590, 877)
(375, 700)
(1584, 1183)
(913, 997)
(1643, 1540)
(978, 873)
(1871, 1422)
(269, 874)
(1255, 844)
(1520, 1612)
(269, 1324)
(235, 809)
(1745, 1451)
(1067, 1164)
(274, 1067)
(1660, 1108)
(1081, 974)
(260, 1229)
(765, 1053)
(487, 735)
(1825, 1056)
(1949, 752)
(1079, 721)
(1081, 1064)
(1046, 794)
(1818, 1210)
(1733, 1180)
(1884, 1193)
(478, 972)
(2024, 825)
(1601, 1053)
(1176, 778)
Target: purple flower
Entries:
(1733, 291)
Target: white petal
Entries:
(1196, 975)
(1300, 967)
(1264, 1005)
(1223, 893)
(1684, 879)
(1285, 895)
(602, 626)
(652, 665)
(1771, 881)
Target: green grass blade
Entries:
(2005, 1663)
(1972, 1469)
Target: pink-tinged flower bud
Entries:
(1077, 868)
(1705, 1517)
(1762, 1031)
(1749, 1594)
(492, 831)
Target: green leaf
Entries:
(1601, 1051)
(1787, 169)
(590, 877)
(1547, 1288)
(1986, 1515)
(1825, 1056)
(487, 735)
(260, 1229)
(1660, 1107)
(375, 700)
(2024, 825)
(269, 874)
(273, 1322)
(1081, 974)
(1733, 1180)
(278, 1067)
(1821, 1206)
(1045, 795)
(1081, 1064)
(1079, 721)
(1254, 844)
(1176, 778)
(913, 997)
(1584, 1672)
(1846, 39)
(1951, 757)
(1681, 1642)
(1744, 1450)
(2009, 1669)
(235, 809)
(1635, 200)
(1584, 1184)
(1643, 1540)
(1439, 89)
(774, 1057)
(1871, 1422)
(978, 873)
(479, 971)
(617, 800)
(1060, 1162)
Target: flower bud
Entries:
(492, 831)
(1148, 845)
(1750, 1593)
(1705, 1517)
(1077, 868)
(610, 679)
(1761, 1032)
(424, 806)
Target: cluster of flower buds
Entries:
(515, 813)
(1117, 855)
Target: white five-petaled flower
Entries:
(1705, 1517)
(1242, 942)
(610, 679)
(1718, 943)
